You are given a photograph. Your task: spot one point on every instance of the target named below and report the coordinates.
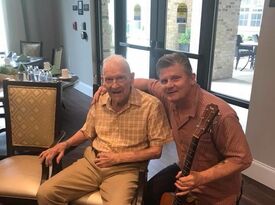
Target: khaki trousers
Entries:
(117, 184)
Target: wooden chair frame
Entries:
(54, 56)
(22, 43)
(29, 150)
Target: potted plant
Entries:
(7, 71)
(21, 72)
(184, 40)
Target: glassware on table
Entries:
(36, 72)
(49, 76)
(42, 76)
(14, 56)
(30, 75)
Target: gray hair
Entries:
(119, 59)
(172, 59)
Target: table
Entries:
(14, 62)
(65, 84)
(34, 61)
(253, 46)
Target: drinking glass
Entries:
(30, 75)
(36, 73)
(42, 76)
(49, 76)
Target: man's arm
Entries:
(234, 148)
(195, 179)
(143, 84)
(107, 159)
(59, 149)
(139, 83)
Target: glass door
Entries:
(146, 30)
(206, 31)
(236, 41)
(137, 44)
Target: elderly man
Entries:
(127, 128)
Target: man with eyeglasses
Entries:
(127, 127)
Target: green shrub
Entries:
(8, 70)
(185, 37)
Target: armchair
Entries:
(2, 130)
(243, 51)
(31, 48)
(57, 57)
(32, 114)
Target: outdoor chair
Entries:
(31, 48)
(242, 51)
(32, 113)
(255, 38)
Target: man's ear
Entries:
(193, 77)
(132, 76)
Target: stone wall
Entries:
(172, 34)
(227, 27)
(107, 30)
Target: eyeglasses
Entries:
(119, 80)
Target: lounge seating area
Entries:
(228, 59)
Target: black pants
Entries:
(160, 183)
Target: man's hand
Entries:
(188, 183)
(107, 159)
(50, 153)
(101, 91)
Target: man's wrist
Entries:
(67, 144)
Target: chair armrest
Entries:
(247, 47)
(60, 138)
(47, 172)
(142, 180)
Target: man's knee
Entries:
(45, 193)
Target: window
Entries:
(256, 17)
(243, 18)
(182, 13)
(3, 41)
(137, 13)
(137, 16)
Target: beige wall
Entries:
(261, 116)
(79, 55)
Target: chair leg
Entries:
(246, 63)
(241, 193)
(237, 62)
(252, 59)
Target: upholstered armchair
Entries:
(31, 48)
(57, 57)
(32, 113)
